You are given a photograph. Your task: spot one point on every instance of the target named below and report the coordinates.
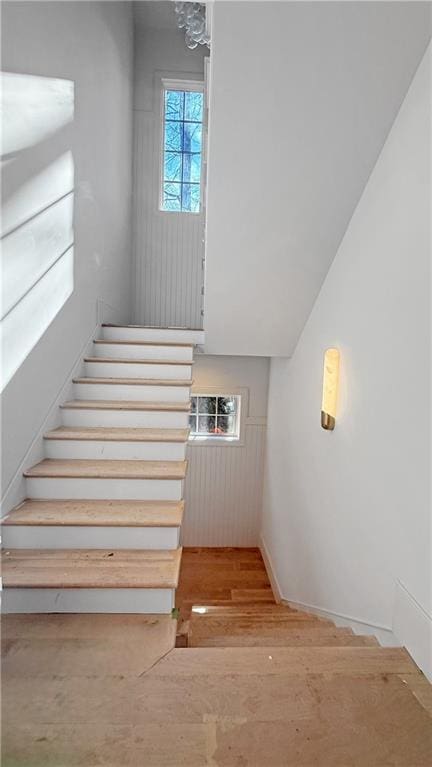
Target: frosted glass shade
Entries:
(330, 388)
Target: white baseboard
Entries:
(413, 627)
(384, 634)
(16, 490)
(277, 591)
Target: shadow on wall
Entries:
(37, 211)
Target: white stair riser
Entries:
(74, 537)
(138, 352)
(132, 392)
(140, 419)
(105, 489)
(152, 335)
(138, 370)
(150, 601)
(115, 451)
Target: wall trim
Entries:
(277, 591)
(412, 624)
(16, 490)
(384, 634)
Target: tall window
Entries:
(182, 148)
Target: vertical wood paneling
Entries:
(168, 247)
(223, 493)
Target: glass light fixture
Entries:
(330, 389)
(192, 18)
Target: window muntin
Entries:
(182, 150)
(215, 416)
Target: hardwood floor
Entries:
(221, 574)
(259, 686)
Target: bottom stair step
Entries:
(90, 580)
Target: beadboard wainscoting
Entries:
(224, 485)
(168, 247)
(223, 492)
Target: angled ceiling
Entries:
(154, 14)
(303, 95)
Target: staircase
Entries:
(100, 528)
(249, 624)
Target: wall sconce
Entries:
(330, 389)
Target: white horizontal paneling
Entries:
(168, 247)
(223, 492)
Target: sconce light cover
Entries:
(330, 389)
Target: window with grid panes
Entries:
(215, 416)
(182, 150)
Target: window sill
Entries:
(196, 441)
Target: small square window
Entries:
(182, 150)
(215, 417)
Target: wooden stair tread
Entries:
(94, 404)
(265, 628)
(138, 361)
(97, 513)
(117, 434)
(143, 343)
(151, 327)
(240, 608)
(135, 381)
(261, 661)
(292, 639)
(109, 469)
(91, 568)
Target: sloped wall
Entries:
(88, 45)
(347, 514)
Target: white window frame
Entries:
(243, 408)
(169, 84)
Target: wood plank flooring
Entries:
(209, 574)
(92, 690)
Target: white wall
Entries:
(90, 45)
(347, 514)
(223, 490)
(168, 247)
(302, 97)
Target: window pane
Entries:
(173, 137)
(226, 405)
(192, 423)
(174, 105)
(207, 405)
(226, 424)
(192, 137)
(194, 404)
(182, 146)
(191, 197)
(206, 424)
(192, 167)
(172, 196)
(193, 106)
(173, 166)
